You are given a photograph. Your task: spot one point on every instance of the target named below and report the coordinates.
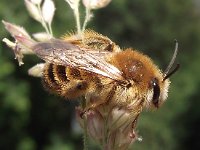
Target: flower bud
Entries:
(118, 117)
(37, 2)
(96, 4)
(120, 126)
(48, 10)
(112, 127)
(122, 138)
(33, 10)
(42, 36)
(23, 42)
(37, 70)
(94, 123)
(15, 30)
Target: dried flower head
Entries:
(113, 127)
(18, 47)
(15, 30)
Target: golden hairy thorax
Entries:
(135, 88)
(92, 40)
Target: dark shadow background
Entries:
(32, 119)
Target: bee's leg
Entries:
(100, 98)
(74, 89)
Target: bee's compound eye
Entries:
(156, 91)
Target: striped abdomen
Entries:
(69, 82)
(64, 81)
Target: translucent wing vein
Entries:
(66, 54)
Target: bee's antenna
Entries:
(171, 63)
(172, 72)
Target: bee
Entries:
(94, 67)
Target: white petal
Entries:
(42, 36)
(15, 30)
(95, 4)
(9, 43)
(33, 10)
(48, 10)
(37, 70)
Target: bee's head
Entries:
(157, 92)
(143, 75)
(159, 84)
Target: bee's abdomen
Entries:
(49, 80)
(64, 81)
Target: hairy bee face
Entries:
(158, 92)
(144, 75)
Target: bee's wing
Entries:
(66, 54)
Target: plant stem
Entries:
(87, 18)
(106, 132)
(43, 22)
(77, 17)
(50, 29)
(85, 134)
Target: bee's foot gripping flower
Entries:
(111, 127)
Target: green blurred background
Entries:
(32, 119)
